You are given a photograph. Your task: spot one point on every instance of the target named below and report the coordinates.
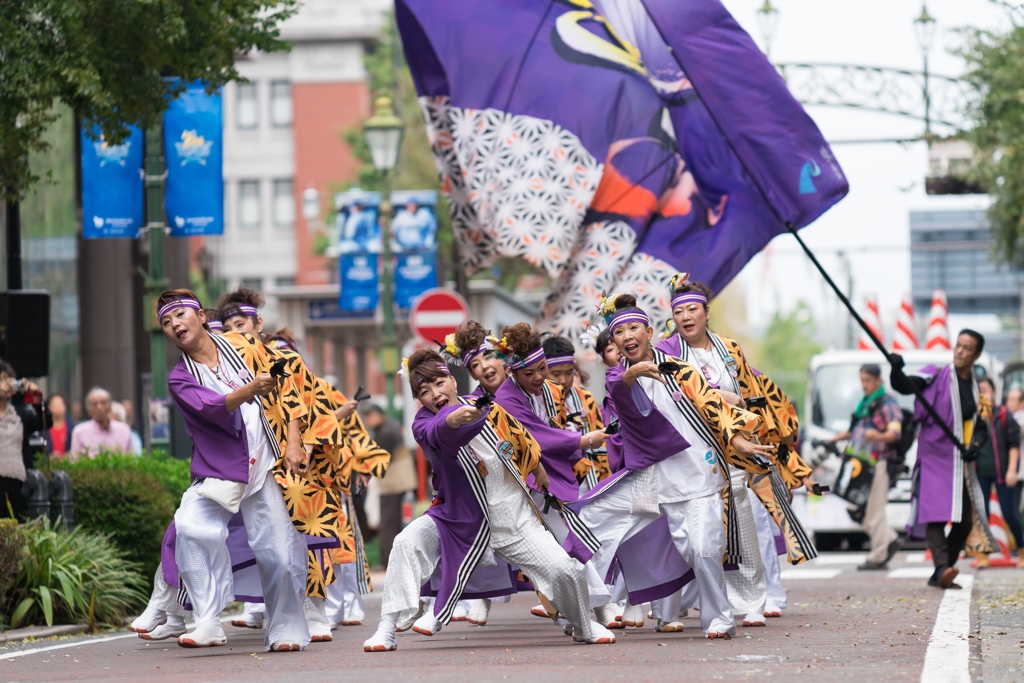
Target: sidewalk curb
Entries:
(43, 632)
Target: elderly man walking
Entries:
(99, 432)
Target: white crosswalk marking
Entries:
(948, 657)
(803, 574)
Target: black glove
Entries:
(972, 453)
(897, 362)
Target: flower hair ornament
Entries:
(606, 308)
(501, 349)
(589, 338)
(404, 371)
(677, 279)
(450, 351)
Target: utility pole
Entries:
(389, 345)
(14, 245)
(156, 283)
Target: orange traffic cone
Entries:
(874, 322)
(937, 336)
(1005, 556)
(905, 336)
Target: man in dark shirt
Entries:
(997, 467)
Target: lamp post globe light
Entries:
(383, 135)
(924, 27)
(767, 20)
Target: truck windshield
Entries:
(835, 392)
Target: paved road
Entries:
(841, 625)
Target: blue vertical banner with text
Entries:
(111, 186)
(414, 241)
(194, 149)
(358, 281)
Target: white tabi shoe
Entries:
(670, 627)
(174, 627)
(607, 616)
(633, 616)
(461, 612)
(320, 636)
(403, 625)
(381, 641)
(249, 620)
(427, 625)
(285, 646)
(479, 611)
(772, 611)
(149, 620)
(754, 619)
(206, 634)
(601, 636)
(539, 611)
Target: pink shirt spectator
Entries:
(89, 438)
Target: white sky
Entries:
(886, 180)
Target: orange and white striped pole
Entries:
(874, 321)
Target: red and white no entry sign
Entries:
(437, 313)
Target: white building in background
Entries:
(282, 136)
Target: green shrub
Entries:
(73, 576)
(129, 506)
(12, 549)
(171, 473)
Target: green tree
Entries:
(996, 72)
(107, 61)
(785, 352)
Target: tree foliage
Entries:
(108, 60)
(785, 352)
(996, 71)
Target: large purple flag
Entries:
(612, 142)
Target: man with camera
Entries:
(875, 430)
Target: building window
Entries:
(281, 104)
(247, 107)
(251, 283)
(249, 203)
(284, 281)
(284, 204)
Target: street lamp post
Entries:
(383, 135)
(924, 27)
(767, 19)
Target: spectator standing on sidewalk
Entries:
(99, 432)
(19, 419)
(1015, 404)
(875, 430)
(400, 478)
(997, 466)
(58, 437)
(120, 413)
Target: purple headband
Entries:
(177, 303)
(532, 357)
(561, 360)
(689, 298)
(440, 366)
(628, 315)
(468, 356)
(248, 310)
(214, 325)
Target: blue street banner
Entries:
(415, 273)
(194, 149)
(356, 220)
(111, 186)
(358, 281)
(414, 241)
(701, 157)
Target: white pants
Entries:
(698, 533)
(344, 601)
(205, 565)
(766, 530)
(417, 550)
(747, 590)
(164, 597)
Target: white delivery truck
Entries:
(833, 391)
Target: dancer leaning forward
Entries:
(679, 439)
(482, 509)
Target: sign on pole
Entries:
(437, 313)
(193, 146)
(111, 186)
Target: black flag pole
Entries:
(874, 338)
